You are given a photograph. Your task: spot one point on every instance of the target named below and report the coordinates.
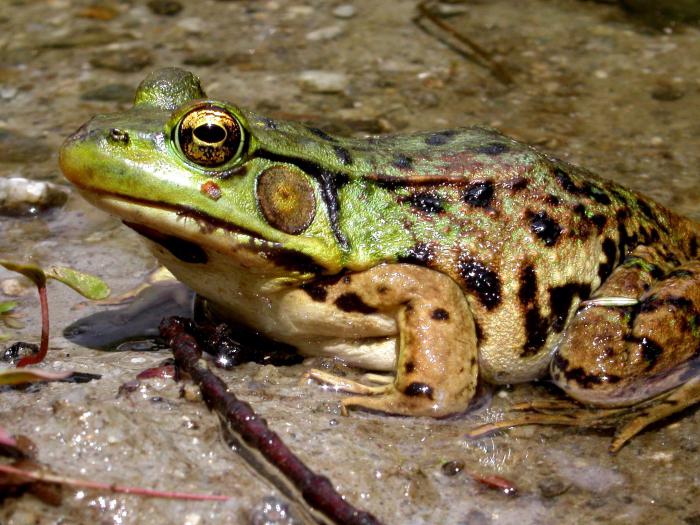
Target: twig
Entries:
(498, 71)
(316, 490)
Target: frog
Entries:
(437, 260)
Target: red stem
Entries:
(120, 489)
(44, 345)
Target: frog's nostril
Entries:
(118, 135)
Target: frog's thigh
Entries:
(436, 370)
(622, 355)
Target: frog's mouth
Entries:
(188, 233)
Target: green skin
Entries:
(525, 238)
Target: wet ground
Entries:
(590, 85)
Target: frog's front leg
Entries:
(436, 367)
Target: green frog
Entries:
(445, 258)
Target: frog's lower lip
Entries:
(177, 220)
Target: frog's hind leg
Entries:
(630, 354)
(436, 365)
(617, 352)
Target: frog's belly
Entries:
(288, 314)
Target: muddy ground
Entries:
(591, 85)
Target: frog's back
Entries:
(526, 236)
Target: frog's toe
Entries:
(344, 384)
(679, 399)
(391, 401)
(529, 418)
(627, 421)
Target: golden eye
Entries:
(287, 199)
(209, 136)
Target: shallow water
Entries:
(591, 86)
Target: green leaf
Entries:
(17, 376)
(85, 284)
(7, 306)
(30, 271)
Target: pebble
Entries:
(110, 93)
(88, 38)
(325, 33)
(272, 511)
(344, 11)
(12, 287)
(552, 487)
(19, 195)
(318, 81)
(8, 92)
(452, 468)
(192, 25)
(123, 60)
(15, 147)
(201, 59)
(165, 7)
(446, 9)
(667, 92)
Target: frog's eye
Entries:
(287, 199)
(209, 136)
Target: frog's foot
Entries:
(627, 421)
(676, 401)
(387, 398)
(436, 366)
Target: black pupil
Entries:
(210, 133)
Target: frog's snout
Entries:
(69, 154)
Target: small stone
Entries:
(344, 11)
(663, 456)
(191, 392)
(325, 33)
(667, 92)
(98, 12)
(165, 7)
(91, 37)
(110, 93)
(20, 196)
(452, 468)
(318, 81)
(552, 487)
(12, 287)
(192, 24)
(123, 60)
(272, 511)
(8, 92)
(445, 9)
(193, 519)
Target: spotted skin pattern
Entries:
(442, 257)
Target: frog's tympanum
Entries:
(442, 257)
